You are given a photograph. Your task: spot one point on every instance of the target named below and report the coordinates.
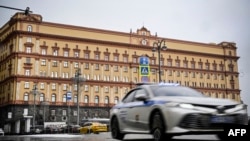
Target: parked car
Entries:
(166, 110)
(1, 132)
(36, 129)
(93, 127)
(70, 129)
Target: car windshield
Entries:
(175, 91)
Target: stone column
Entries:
(27, 125)
(17, 127)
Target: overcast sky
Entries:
(203, 21)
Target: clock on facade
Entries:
(144, 42)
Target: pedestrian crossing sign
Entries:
(144, 70)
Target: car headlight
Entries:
(182, 105)
(186, 106)
(237, 108)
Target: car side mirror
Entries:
(141, 97)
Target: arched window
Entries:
(26, 97)
(96, 99)
(29, 28)
(53, 98)
(75, 98)
(64, 98)
(106, 100)
(86, 99)
(116, 100)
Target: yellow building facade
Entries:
(49, 55)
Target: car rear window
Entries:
(175, 91)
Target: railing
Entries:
(21, 102)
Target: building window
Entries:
(153, 61)
(86, 99)
(64, 112)
(54, 64)
(53, 98)
(28, 50)
(106, 89)
(43, 62)
(97, 66)
(96, 88)
(76, 65)
(125, 68)
(76, 54)
(86, 88)
(106, 67)
(116, 100)
(134, 60)
(41, 97)
(42, 86)
(116, 89)
(27, 72)
(207, 66)
(106, 58)
(106, 100)
(26, 85)
(178, 73)
(53, 87)
(29, 28)
(177, 64)
(134, 69)
(74, 113)
(193, 74)
(53, 112)
(65, 87)
(115, 68)
(201, 75)
(26, 97)
(86, 66)
(65, 64)
(96, 99)
(66, 54)
(75, 98)
(200, 66)
(86, 55)
(64, 98)
(43, 52)
(125, 59)
(55, 52)
(186, 74)
(116, 58)
(169, 63)
(185, 65)
(170, 73)
(97, 56)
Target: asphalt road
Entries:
(100, 137)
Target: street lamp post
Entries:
(158, 46)
(78, 80)
(34, 92)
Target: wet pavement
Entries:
(99, 137)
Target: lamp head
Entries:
(154, 49)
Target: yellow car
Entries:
(93, 127)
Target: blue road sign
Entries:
(68, 95)
(143, 60)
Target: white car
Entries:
(1, 132)
(167, 110)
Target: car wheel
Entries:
(158, 128)
(115, 130)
